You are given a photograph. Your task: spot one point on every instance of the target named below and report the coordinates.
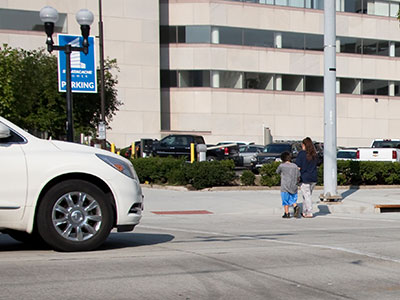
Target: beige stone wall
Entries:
(222, 114)
(226, 114)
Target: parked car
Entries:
(239, 143)
(178, 145)
(347, 154)
(248, 152)
(273, 151)
(381, 150)
(68, 195)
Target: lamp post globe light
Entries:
(84, 17)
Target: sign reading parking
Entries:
(83, 67)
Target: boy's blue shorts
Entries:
(288, 198)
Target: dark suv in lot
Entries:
(178, 145)
(272, 152)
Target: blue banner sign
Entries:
(83, 67)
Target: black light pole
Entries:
(84, 17)
(102, 124)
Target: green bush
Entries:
(247, 178)
(168, 170)
(210, 173)
(269, 177)
(159, 169)
(365, 172)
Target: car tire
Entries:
(75, 215)
(210, 158)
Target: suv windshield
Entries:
(277, 148)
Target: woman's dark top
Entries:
(308, 168)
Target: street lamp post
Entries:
(102, 124)
(84, 17)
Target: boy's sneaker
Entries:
(297, 212)
(286, 216)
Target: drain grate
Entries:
(388, 208)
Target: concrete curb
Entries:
(257, 188)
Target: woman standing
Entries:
(307, 162)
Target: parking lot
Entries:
(223, 245)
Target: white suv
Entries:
(68, 195)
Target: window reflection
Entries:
(292, 40)
(255, 37)
(230, 36)
(266, 38)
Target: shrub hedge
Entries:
(247, 178)
(168, 170)
(201, 175)
(348, 173)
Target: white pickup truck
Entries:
(381, 150)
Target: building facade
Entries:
(230, 69)
(238, 69)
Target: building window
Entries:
(350, 86)
(296, 3)
(292, 83)
(194, 78)
(314, 84)
(181, 34)
(375, 87)
(397, 88)
(198, 34)
(375, 47)
(261, 38)
(292, 40)
(227, 79)
(314, 42)
(258, 81)
(350, 45)
(26, 20)
(230, 36)
(315, 4)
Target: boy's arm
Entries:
(279, 169)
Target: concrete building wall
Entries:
(234, 114)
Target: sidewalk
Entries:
(265, 200)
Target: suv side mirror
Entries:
(4, 131)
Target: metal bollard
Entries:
(113, 148)
(201, 150)
(192, 158)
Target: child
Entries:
(289, 179)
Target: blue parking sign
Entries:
(83, 67)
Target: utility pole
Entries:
(330, 136)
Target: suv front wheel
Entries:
(75, 215)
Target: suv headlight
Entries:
(119, 165)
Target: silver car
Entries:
(247, 152)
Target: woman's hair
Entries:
(311, 154)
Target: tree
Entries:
(29, 94)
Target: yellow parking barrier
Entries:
(112, 147)
(191, 152)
